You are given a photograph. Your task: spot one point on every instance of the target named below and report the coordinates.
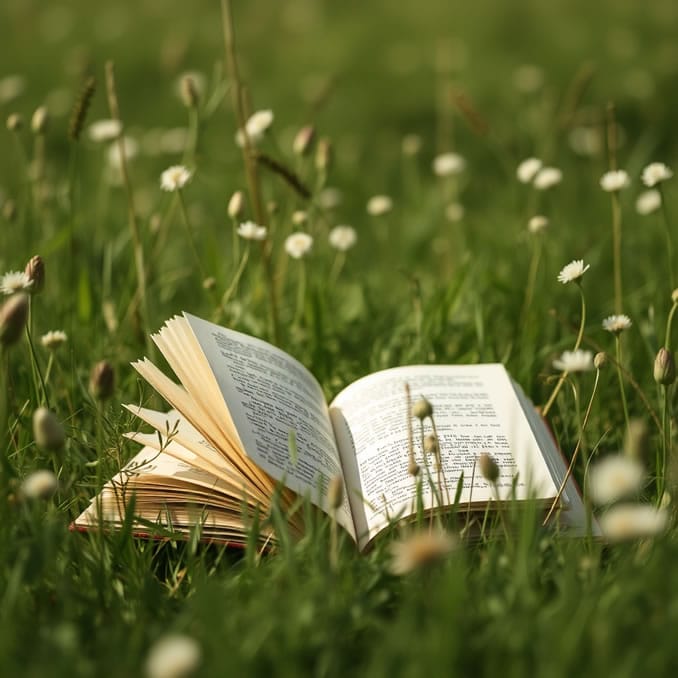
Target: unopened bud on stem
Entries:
(664, 367)
(422, 409)
(102, 380)
(488, 468)
(13, 316)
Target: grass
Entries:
(416, 288)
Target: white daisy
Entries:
(104, 130)
(547, 177)
(378, 205)
(527, 170)
(298, 244)
(342, 237)
(173, 656)
(617, 323)
(615, 477)
(175, 178)
(448, 164)
(648, 202)
(632, 521)
(655, 173)
(256, 127)
(615, 180)
(15, 281)
(251, 231)
(574, 361)
(537, 223)
(53, 339)
(573, 271)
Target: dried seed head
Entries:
(13, 316)
(47, 430)
(303, 140)
(664, 367)
(14, 122)
(637, 440)
(323, 154)
(431, 444)
(600, 360)
(39, 120)
(35, 270)
(413, 468)
(189, 92)
(236, 205)
(422, 409)
(335, 492)
(102, 380)
(488, 468)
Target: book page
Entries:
(271, 396)
(475, 409)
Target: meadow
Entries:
(563, 268)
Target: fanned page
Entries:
(271, 397)
(476, 410)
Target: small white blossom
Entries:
(251, 231)
(614, 180)
(537, 223)
(175, 178)
(419, 550)
(299, 217)
(655, 173)
(256, 127)
(343, 237)
(378, 205)
(173, 656)
(15, 281)
(329, 198)
(574, 361)
(448, 164)
(586, 141)
(39, 485)
(527, 170)
(648, 202)
(48, 431)
(298, 244)
(454, 212)
(617, 323)
(104, 130)
(615, 477)
(547, 177)
(573, 271)
(632, 521)
(53, 339)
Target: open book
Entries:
(250, 423)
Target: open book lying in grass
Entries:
(251, 423)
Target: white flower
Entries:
(537, 223)
(419, 550)
(104, 130)
(617, 323)
(251, 231)
(454, 212)
(614, 180)
(329, 198)
(173, 656)
(573, 271)
(574, 361)
(53, 339)
(15, 281)
(448, 164)
(131, 150)
(299, 217)
(47, 430)
(175, 178)
(379, 204)
(648, 202)
(343, 238)
(39, 485)
(655, 173)
(527, 170)
(256, 127)
(632, 521)
(298, 244)
(615, 477)
(547, 177)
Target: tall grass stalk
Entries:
(667, 234)
(620, 376)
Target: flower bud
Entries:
(13, 316)
(39, 485)
(303, 140)
(35, 270)
(488, 468)
(14, 122)
(637, 440)
(413, 468)
(600, 360)
(431, 445)
(102, 380)
(335, 492)
(422, 409)
(189, 92)
(48, 431)
(236, 205)
(664, 367)
(323, 154)
(39, 120)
